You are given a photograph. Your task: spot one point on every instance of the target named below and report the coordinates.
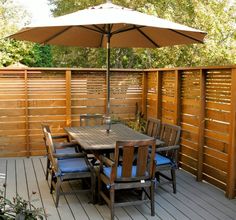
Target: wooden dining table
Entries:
(97, 138)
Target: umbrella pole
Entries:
(108, 119)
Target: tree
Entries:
(11, 17)
(216, 17)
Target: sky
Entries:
(39, 9)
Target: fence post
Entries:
(201, 123)
(231, 169)
(28, 150)
(159, 97)
(144, 94)
(177, 97)
(68, 97)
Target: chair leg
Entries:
(52, 179)
(47, 168)
(157, 176)
(93, 187)
(58, 188)
(112, 201)
(173, 176)
(143, 194)
(99, 190)
(152, 188)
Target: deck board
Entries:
(21, 180)
(208, 189)
(170, 207)
(213, 205)
(189, 202)
(11, 179)
(187, 211)
(33, 189)
(194, 200)
(3, 167)
(48, 200)
(75, 205)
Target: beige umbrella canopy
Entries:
(127, 28)
(109, 25)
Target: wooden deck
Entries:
(193, 200)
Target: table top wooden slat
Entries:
(97, 138)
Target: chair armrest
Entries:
(159, 142)
(60, 145)
(60, 136)
(168, 148)
(90, 156)
(106, 161)
(67, 156)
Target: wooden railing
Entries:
(201, 100)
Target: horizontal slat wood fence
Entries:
(201, 100)
(29, 97)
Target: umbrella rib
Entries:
(102, 33)
(55, 35)
(99, 30)
(137, 28)
(154, 43)
(124, 30)
(185, 35)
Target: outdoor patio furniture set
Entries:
(120, 159)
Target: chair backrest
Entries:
(51, 148)
(91, 119)
(136, 159)
(45, 128)
(48, 139)
(170, 134)
(153, 127)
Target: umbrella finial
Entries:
(109, 1)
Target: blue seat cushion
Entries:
(162, 160)
(72, 165)
(107, 171)
(67, 150)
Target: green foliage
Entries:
(11, 51)
(38, 56)
(19, 209)
(11, 16)
(62, 7)
(139, 123)
(216, 17)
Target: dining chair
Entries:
(67, 167)
(62, 146)
(153, 127)
(133, 167)
(91, 119)
(166, 156)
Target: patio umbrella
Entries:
(109, 25)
